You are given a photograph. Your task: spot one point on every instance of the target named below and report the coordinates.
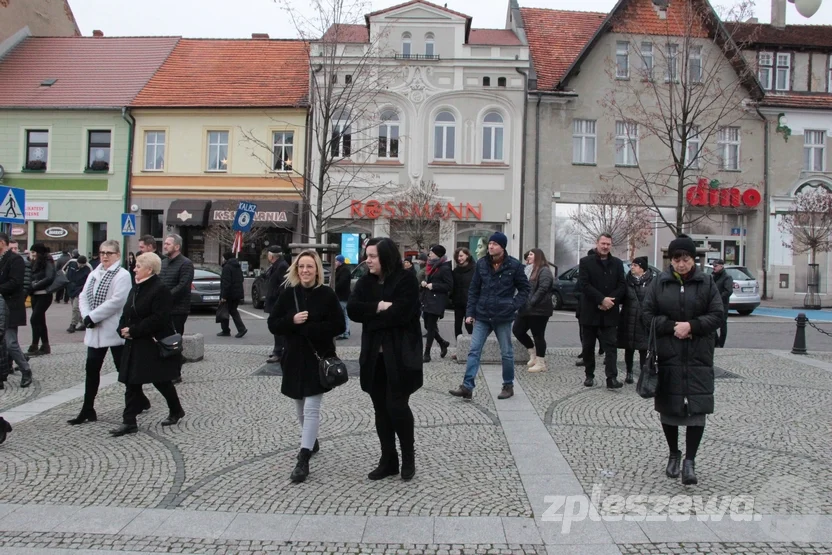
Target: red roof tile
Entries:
(432, 5)
(802, 36)
(90, 72)
(230, 73)
(795, 100)
(341, 33)
(493, 37)
(556, 37)
(640, 17)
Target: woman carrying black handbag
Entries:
(309, 317)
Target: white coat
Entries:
(108, 313)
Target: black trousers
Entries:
(179, 322)
(95, 360)
(459, 319)
(135, 400)
(234, 312)
(723, 330)
(432, 327)
(537, 325)
(581, 336)
(40, 333)
(607, 337)
(278, 345)
(393, 414)
(629, 355)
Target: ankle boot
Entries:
(387, 466)
(87, 414)
(672, 469)
(426, 357)
(301, 470)
(45, 350)
(33, 348)
(629, 378)
(532, 357)
(443, 348)
(408, 464)
(26, 378)
(540, 366)
(688, 475)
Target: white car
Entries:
(746, 295)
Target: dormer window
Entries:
(406, 45)
(784, 62)
(764, 62)
(430, 46)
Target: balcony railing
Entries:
(417, 56)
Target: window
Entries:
(406, 45)
(764, 61)
(814, 151)
(695, 64)
(429, 45)
(348, 79)
(784, 62)
(693, 147)
(217, 151)
(672, 73)
(622, 60)
(647, 60)
(388, 135)
(341, 142)
(154, 150)
(492, 137)
(626, 144)
(444, 136)
(729, 148)
(153, 223)
(501, 81)
(583, 141)
(486, 81)
(283, 147)
(98, 150)
(37, 149)
(334, 78)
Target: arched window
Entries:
(388, 135)
(444, 136)
(492, 137)
(501, 81)
(429, 45)
(341, 142)
(406, 45)
(486, 81)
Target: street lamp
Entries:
(806, 8)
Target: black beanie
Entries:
(642, 262)
(682, 243)
(438, 250)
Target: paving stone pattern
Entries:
(724, 548)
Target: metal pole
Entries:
(799, 347)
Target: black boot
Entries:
(443, 350)
(5, 428)
(408, 464)
(26, 379)
(426, 357)
(629, 378)
(388, 465)
(613, 383)
(688, 475)
(589, 381)
(316, 447)
(672, 469)
(301, 470)
(87, 414)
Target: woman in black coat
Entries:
(308, 316)
(43, 274)
(438, 283)
(632, 333)
(145, 320)
(535, 315)
(386, 303)
(686, 309)
(463, 274)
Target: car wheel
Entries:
(557, 301)
(256, 300)
(745, 311)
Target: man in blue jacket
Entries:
(498, 290)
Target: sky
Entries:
(241, 18)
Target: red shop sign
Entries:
(373, 209)
(730, 197)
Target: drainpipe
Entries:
(766, 194)
(523, 150)
(307, 208)
(537, 169)
(131, 123)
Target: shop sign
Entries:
(56, 232)
(228, 216)
(37, 211)
(708, 193)
(18, 230)
(374, 209)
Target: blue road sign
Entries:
(128, 224)
(244, 218)
(13, 207)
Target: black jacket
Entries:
(462, 283)
(435, 300)
(725, 285)
(43, 274)
(632, 333)
(597, 281)
(77, 276)
(275, 276)
(231, 281)
(394, 334)
(178, 275)
(147, 313)
(540, 298)
(497, 295)
(342, 283)
(686, 366)
(326, 320)
(13, 289)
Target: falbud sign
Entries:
(37, 211)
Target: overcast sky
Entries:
(240, 18)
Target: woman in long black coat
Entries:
(687, 309)
(438, 283)
(633, 335)
(463, 274)
(308, 315)
(43, 274)
(386, 303)
(145, 320)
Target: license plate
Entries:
(748, 289)
(207, 298)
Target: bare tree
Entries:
(223, 233)
(416, 217)
(809, 223)
(611, 211)
(682, 99)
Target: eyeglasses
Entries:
(107, 253)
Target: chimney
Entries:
(97, 33)
(778, 14)
(260, 36)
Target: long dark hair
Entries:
(43, 257)
(467, 253)
(539, 262)
(388, 255)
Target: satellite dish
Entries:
(807, 8)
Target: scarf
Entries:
(97, 296)
(434, 263)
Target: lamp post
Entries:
(806, 8)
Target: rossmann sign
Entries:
(709, 193)
(374, 209)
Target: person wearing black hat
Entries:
(725, 284)
(43, 274)
(438, 282)
(231, 293)
(632, 333)
(685, 307)
(274, 278)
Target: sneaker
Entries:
(463, 392)
(508, 391)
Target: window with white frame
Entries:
(728, 142)
(626, 143)
(695, 64)
(444, 136)
(340, 142)
(217, 151)
(647, 60)
(765, 63)
(672, 57)
(406, 45)
(784, 65)
(622, 59)
(154, 150)
(283, 147)
(693, 147)
(430, 46)
(814, 151)
(492, 137)
(583, 141)
(388, 135)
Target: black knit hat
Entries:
(682, 243)
(642, 262)
(438, 250)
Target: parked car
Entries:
(565, 295)
(205, 289)
(746, 295)
(258, 288)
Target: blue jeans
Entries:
(481, 332)
(346, 318)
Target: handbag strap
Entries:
(651, 339)
(297, 309)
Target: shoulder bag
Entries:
(648, 380)
(58, 283)
(332, 371)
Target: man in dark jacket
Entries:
(343, 281)
(178, 275)
(60, 264)
(498, 290)
(725, 284)
(602, 284)
(275, 276)
(27, 276)
(231, 293)
(12, 274)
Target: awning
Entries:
(183, 212)
(270, 213)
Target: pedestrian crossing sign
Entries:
(13, 207)
(128, 224)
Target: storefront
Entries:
(68, 225)
(191, 217)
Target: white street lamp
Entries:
(806, 8)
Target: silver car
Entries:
(746, 295)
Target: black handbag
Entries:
(222, 313)
(648, 380)
(332, 371)
(170, 346)
(58, 283)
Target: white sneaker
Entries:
(540, 366)
(532, 357)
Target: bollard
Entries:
(799, 347)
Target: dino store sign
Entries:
(401, 210)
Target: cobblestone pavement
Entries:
(724, 548)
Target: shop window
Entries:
(98, 150)
(153, 223)
(99, 235)
(37, 149)
(474, 236)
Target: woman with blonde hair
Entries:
(309, 317)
